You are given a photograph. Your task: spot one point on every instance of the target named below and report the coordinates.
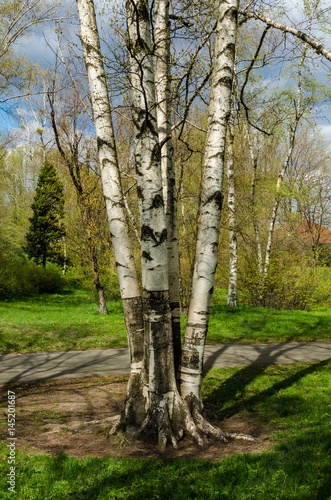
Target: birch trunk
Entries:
(74, 168)
(211, 201)
(158, 375)
(163, 113)
(254, 158)
(111, 182)
(233, 258)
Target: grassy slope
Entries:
(71, 321)
(295, 400)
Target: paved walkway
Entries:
(74, 364)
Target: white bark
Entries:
(233, 257)
(147, 150)
(163, 113)
(111, 182)
(211, 200)
(158, 359)
(254, 158)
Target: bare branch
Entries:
(316, 45)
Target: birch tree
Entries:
(161, 398)
(233, 259)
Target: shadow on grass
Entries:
(228, 390)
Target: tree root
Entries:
(169, 420)
(206, 428)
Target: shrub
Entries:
(292, 283)
(20, 277)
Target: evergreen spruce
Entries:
(46, 226)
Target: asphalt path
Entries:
(62, 365)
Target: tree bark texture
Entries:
(111, 181)
(154, 403)
(211, 200)
(163, 113)
(159, 376)
(232, 299)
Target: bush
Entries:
(292, 283)
(19, 277)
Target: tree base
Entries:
(168, 420)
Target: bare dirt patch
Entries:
(71, 417)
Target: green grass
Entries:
(59, 322)
(293, 400)
(71, 321)
(247, 324)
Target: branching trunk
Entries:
(158, 373)
(153, 403)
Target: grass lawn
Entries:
(294, 401)
(71, 321)
(59, 322)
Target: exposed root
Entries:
(114, 426)
(168, 420)
(233, 435)
(158, 422)
(205, 427)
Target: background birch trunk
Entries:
(163, 113)
(111, 182)
(255, 158)
(232, 299)
(211, 201)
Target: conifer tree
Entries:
(46, 225)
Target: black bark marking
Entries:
(157, 201)
(146, 255)
(163, 237)
(118, 264)
(225, 81)
(148, 234)
(217, 197)
(139, 193)
(191, 359)
(102, 142)
(156, 153)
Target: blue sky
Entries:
(35, 46)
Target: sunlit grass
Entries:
(71, 321)
(293, 401)
(60, 322)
